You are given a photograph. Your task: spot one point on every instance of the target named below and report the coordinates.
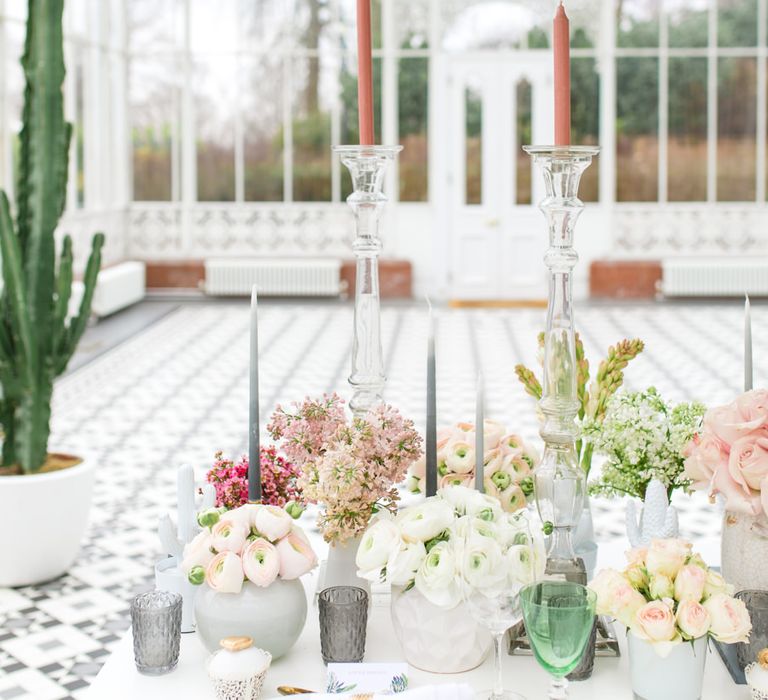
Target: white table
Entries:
(303, 666)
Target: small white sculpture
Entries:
(658, 519)
(168, 573)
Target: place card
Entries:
(367, 678)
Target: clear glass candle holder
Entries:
(367, 166)
(343, 622)
(156, 626)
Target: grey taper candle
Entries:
(431, 437)
(748, 376)
(254, 451)
(480, 435)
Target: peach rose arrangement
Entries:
(254, 542)
(668, 595)
(508, 463)
(729, 456)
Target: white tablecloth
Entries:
(303, 666)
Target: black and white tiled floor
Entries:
(177, 392)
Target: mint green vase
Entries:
(273, 617)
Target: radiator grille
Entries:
(715, 277)
(288, 277)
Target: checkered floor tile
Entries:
(177, 392)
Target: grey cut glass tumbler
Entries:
(343, 621)
(156, 624)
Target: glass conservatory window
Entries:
(687, 100)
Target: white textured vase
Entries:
(678, 676)
(437, 640)
(50, 541)
(340, 568)
(744, 551)
(273, 617)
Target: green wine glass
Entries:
(558, 620)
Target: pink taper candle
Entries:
(364, 72)
(562, 48)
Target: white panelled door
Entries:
(496, 104)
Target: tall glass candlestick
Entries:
(367, 166)
(559, 481)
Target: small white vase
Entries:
(273, 617)
(169, 577)
(744, 551)
(437, 640)
(584, 543)
(678, 676)
(340, 568)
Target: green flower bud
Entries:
(501, 480)
(209, 517)
(548, 527)
(294, 509)
(196, 575)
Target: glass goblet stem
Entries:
(558, 689)
(498, 685)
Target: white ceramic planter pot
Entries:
(273, 617)
(678, 676)
(744, 551)
(41, 548)
(437, 640)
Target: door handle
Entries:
(493, 223)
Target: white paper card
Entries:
(367, 678)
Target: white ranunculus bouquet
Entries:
(508, 463)
(254, 542)
(457, 540)
(668, 595)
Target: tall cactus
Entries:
(37, 339)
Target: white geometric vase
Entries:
(744, 551)
(678, 676)
(437, 640)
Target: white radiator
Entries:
(117, 287)
(309, 277)
(715, 277)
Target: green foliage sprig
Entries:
(594, 397)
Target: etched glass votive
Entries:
(156, 625)
(343, 620)
(757, 605)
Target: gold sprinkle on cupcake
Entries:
(240, 643)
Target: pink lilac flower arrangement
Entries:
(278, 480)
(730, 454)
(351, 467)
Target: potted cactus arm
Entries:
(37, 338)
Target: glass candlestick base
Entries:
(367, 166)
(559, 482)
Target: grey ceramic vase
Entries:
(273, 617)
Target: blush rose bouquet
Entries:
(508, 463)
(254, 542)
(729, 456)
(667, 595)
(459, 539)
